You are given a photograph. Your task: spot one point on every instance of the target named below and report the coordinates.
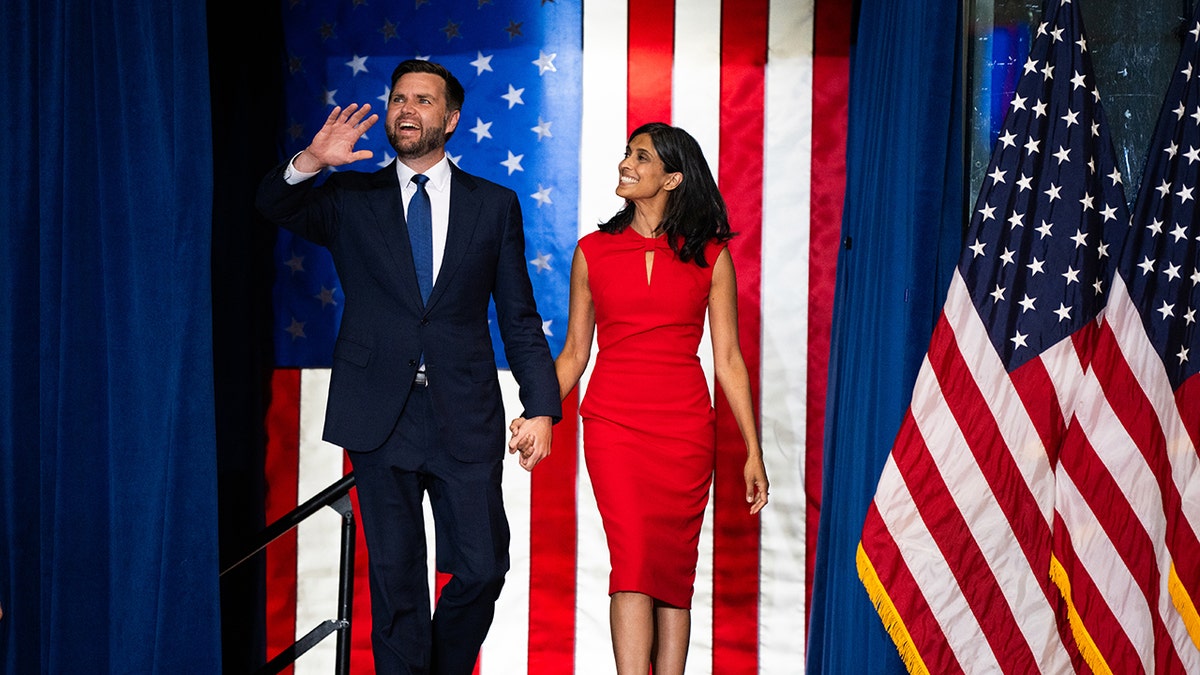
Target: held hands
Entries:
(756, 483)
(530, 437)
(334, 143)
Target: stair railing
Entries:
(337, 497)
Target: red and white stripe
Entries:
(746, 83)
(956, 546)
(1074, 470)
(1126, 504)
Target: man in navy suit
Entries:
(420, 246)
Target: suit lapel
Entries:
(388, 207)
(464, 215)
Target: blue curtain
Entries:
(108, 537)
(901, 234)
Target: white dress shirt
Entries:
(438, 188)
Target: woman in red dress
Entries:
(643, 283)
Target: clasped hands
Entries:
(531, 438)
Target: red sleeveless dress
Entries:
(648, 423)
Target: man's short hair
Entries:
(455, 94)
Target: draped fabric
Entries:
(107, 487)
(1126, 518)
(957, 545)
(901, 234)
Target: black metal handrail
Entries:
(337, 497)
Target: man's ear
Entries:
(452, 122)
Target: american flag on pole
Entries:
(957, 545)
(762, 84)
(1128, 482)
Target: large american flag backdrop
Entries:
(762, 84)
(1038, 510)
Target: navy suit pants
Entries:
(471, 534)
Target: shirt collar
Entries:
(439, 174)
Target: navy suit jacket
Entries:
(385, 327)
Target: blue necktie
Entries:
(420, 235)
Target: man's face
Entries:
(417, 117)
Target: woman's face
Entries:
(642, 174)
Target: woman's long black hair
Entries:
(696, 211)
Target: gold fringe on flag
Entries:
(892, 621)
(1087, 647)
(1185, 605)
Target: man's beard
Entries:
(430, 139)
